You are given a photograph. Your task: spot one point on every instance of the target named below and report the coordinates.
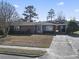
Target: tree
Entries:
(29, 13)
(51, 14)
(15, 17)
(61, 19)
(72, 26)
(6, 12)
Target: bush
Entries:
(72, 26)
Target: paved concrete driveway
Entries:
(62, 47)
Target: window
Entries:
(49, 28)
(17, 28)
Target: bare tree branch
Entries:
(6, 12)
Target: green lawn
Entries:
(77, 32)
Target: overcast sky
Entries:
(69, 8)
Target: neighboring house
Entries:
(38, 27)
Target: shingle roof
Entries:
(34, 23)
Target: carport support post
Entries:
(41, 29)
(66, 28)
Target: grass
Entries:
(22, 52)
(41, 41)
(77, 32)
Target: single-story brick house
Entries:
(38, 27)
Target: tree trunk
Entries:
(51, 18)
(5, 32)
(30, 18)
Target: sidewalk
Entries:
(22, 51)
(19, 47)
